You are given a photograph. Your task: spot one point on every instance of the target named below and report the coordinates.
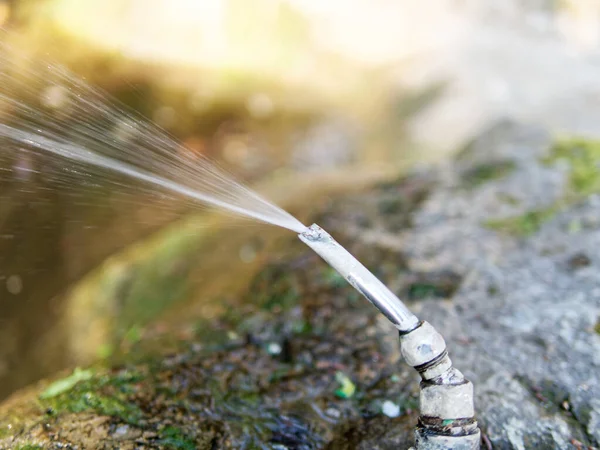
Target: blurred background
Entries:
(300, 99)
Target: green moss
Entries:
(301, 326)
(67, 383)
(29, 447)
(419, 291)
(488, 172)
(441, 284)
(525, 224)
(101, 404)
(284, 300)
(597, 327)
(583, 157)
(105, 394)
(174, 438)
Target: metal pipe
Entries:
(360, 278)
(447, 417)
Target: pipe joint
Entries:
(447, 419)
(424, 348)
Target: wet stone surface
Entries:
(309, 366)
(499, 259)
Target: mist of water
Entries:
(46, 108)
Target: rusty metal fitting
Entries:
(447, 399)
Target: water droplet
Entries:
(14, 284)
(274, 348)
(55, 97)
(260, 106)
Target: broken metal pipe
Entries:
(447, 417)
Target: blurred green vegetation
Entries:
(104, 393)
(526, 224)
(581, 156)
(583, 159)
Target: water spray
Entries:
(106, 135)
(447, 416)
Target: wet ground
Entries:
(300, 361)
(492, 250)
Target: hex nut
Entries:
(447, 401)
(422, 345)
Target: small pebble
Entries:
(274, 348)
(279, 447)
(390, 409)
(332, 412)
(232, 335)
(121, 431)
(125, 432)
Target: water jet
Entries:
(149, 155)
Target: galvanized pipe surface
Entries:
(360, 278)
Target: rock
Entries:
(495, 250)
(520, 322)
(521, 326)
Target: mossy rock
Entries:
(269, 375)
(583, 159)
(299, 361)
